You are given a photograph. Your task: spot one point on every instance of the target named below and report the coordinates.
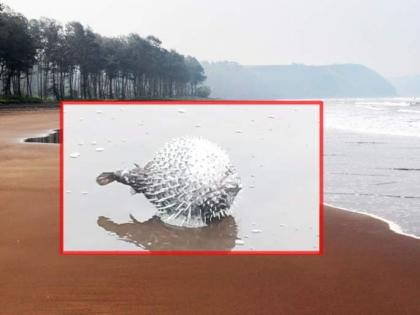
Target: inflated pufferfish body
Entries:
(190, 181)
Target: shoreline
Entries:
(365, 267)
(393, 227)
(399, 185)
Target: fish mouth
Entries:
(234, 189)
(239, 188)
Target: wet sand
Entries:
(366, 268)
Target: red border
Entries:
(200, 102)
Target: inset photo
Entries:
(210, 177)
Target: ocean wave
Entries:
(411, 111)
(386, 103)
(371, 107)
(379, 131)
(377, 117)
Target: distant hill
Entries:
(233, 81)
(407, 86)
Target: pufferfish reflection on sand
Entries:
(153, 235)
(190, 181)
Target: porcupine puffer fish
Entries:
(190, 181)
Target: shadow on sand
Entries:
(153, 234)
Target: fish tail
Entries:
(105, 178)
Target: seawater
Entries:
(372, 158)
(383, 116)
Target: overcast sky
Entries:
(381, 34)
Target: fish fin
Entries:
(105, 178)
(134, 219)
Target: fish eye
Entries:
(233, 187)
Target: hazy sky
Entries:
(381, 34)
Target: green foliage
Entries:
(17, 50)
(203, 91)
(20, 100)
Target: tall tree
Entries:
(17, 51)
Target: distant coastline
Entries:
(231, 80)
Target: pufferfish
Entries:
(190, 180)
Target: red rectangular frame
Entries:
(319, 103)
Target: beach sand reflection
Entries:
(153, 234)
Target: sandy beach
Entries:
(366, 268)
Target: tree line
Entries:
(43, 58)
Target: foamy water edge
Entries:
(394, 227)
